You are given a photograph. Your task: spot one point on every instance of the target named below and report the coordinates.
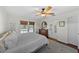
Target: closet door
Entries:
(73, 30)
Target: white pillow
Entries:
(11, 40)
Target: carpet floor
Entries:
(56, 47)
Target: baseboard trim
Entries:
(70, 45)
(73, 46)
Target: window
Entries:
(31, 26)
(27, 26)
(31, 29)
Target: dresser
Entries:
(43, 32)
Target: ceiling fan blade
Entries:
(52, 13)
(38, 14)
(46, 14)
(37, 11)
(48, 8)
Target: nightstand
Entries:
(43, 32)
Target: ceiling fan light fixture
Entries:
(42, 14)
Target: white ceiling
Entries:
(29, 11)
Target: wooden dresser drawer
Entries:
(43, 32)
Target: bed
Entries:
(24, 43)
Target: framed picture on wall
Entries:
(61, 23)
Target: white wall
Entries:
(3, 20)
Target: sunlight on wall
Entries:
(1, 26)
(3, 20)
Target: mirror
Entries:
(44, 24)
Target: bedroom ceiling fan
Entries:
(45, 11)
